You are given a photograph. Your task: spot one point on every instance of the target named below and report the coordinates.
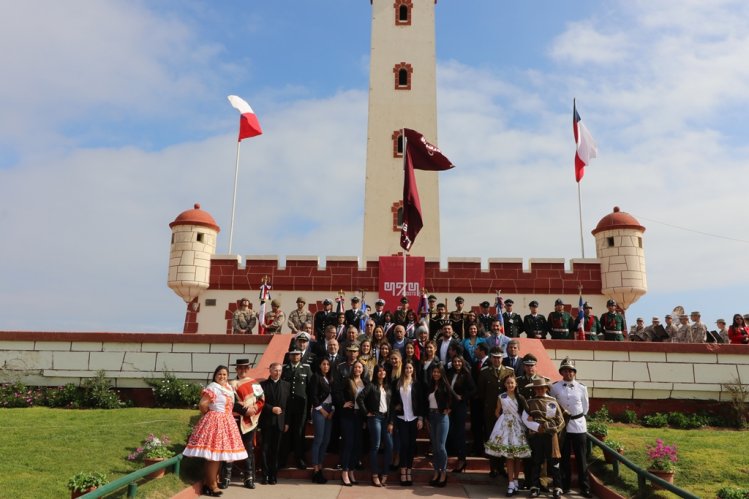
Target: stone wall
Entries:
(50, 358)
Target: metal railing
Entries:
(643, 476)
(131, 481)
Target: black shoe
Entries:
(534, 492)
(249, 483)
(434, 481)
(211, 493)
(272, 480)
(557, 493)
(442, 483)
(301, 465)
(461, 468)
(265, 480)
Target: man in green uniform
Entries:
(591, 324)
(612, 323)
(560, 322)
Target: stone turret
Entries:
(619, 247)
(194, 234)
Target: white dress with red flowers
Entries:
(216, 436)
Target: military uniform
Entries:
(298, 376)
(485, 319)
(274, 322)
(436, 323)
(697, 333)
(513, 324)
(591, 326)
(243, 321)
(560, 325)
(321, 320)
(297, 318)
(490, 385)
(544, 421)
(458, 320)
(613, 326)
(535, 326)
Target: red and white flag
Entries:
(586, 148)
(420, 155)
(249, 126)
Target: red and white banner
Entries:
(391, 280)
(249, 126)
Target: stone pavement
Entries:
(296, 489)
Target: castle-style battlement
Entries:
(462, 275)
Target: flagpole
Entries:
(580, 214)
(404, 139)
(234, 198)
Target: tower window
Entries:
(210, 302)
(201, 237)
(172, 238)
(610, 241)
(403, 12)
(397, 210)
(402, 73)
(397, 144)
(639, 242)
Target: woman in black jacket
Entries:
(321, 402)
(462, 383)
(345, 395)
(440, 397)
(374, 401)
(408, 415)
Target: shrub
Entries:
(657, 420)
(153, 448)
(733, 493)
(630, 417)
(738, 394)
(662, 457)
(598, 428)
(98, 393)
(68, 396)
(17, 394)
(174, 393)
(686, 421)
(84, 480)
(602, 415)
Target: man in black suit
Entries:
(513, 359)
(355, 313)
(273, 420)
(378, 316)
(477, 404)
(323, 318)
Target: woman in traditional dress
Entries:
(216, 437)
(507, 439)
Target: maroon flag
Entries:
(421, 155)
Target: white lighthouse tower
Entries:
(402, 94)
(619, 248)
(194, 234)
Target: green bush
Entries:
(630, 417)
(67, 397)
(686, 421)
(174, 393)
(733, 493)
(657, 420)
(85, 480)
(598, 428)
(19, 395)
(98, 393)
(602, 415)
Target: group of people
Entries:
(382, 391)
(691, 329)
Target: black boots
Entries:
(224, 475)
(249, 472)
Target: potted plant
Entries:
(662, 460)
(611, 447)
(153, 450)
(598, 428)
(84, 482)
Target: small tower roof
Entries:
(618, 220)
(196, 216)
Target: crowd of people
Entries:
(558, 324)
(374, 379)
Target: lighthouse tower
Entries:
(402, 94)
(620, 250)
(194, 234)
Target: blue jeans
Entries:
(439, 425)
(321, 439)
(351, 436)
(378, 435)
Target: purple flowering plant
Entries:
(153, 448)
(662, 457)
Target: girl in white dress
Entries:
(508, 436)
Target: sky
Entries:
(114, 119)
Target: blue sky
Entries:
(114, 119)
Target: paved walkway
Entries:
(288, 489)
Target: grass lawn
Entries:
(42, 448)
(709, 458)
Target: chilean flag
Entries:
(249, 126)
(586, 148)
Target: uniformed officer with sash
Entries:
(591, 324)
(612, 323)
(485, 318)
(560, 322)
(573, 397)
(458, 317)
(298, 376)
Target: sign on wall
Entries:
(391, 286)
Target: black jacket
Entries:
(444, 395)
(319, 390)
(276, 395)
(369, 399)
(464, 386)
(417, 400)
(342, 393)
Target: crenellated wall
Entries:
(462, 275)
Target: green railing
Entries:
(643, 476)
(131, 481)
